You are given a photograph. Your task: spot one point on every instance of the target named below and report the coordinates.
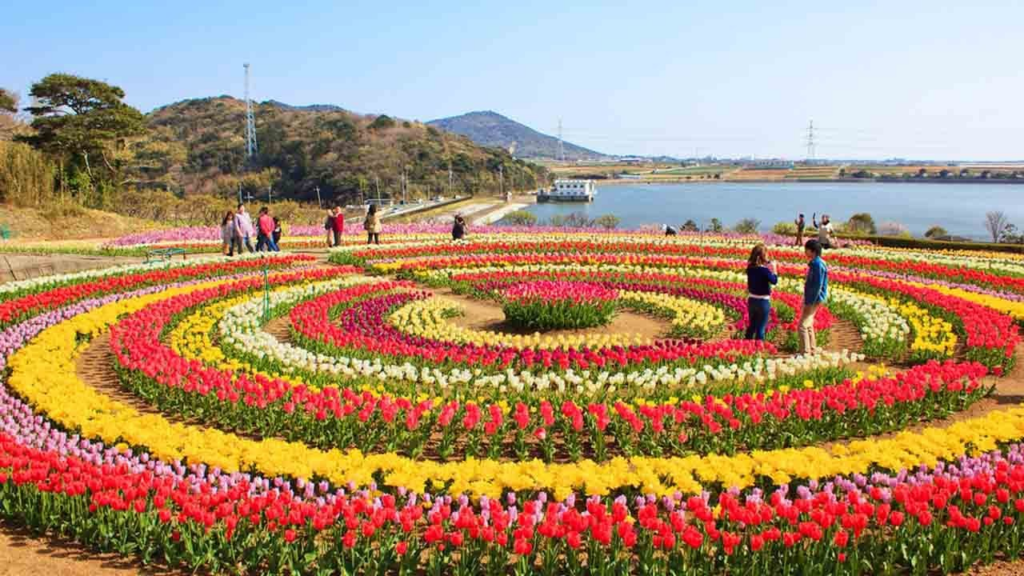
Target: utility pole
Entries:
(405, 185)
(318, 202)
(239, 192)
(450, 179)
(270, 194)
(810, 141)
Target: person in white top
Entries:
(825, 233)
(243, 229)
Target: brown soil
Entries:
(1000, 568)
(485, 315)
(844, 336)
(95, 367)
(280, 328)
(24, 554)
(74, 223)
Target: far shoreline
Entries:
(619, 181)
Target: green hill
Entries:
(198, 146)
(492, 129)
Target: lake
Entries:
(959, 208)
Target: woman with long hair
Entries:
(762, 274)
(227, 234)
(372, 225)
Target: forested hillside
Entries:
(198, 146)
(80, 145)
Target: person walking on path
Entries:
(227, 234)
(815, 294)
(459, 228)
(825, 233)
(265, 237)
(243, 230)
(762, 274)
(372, 225)
(339, 225)
(329, 227)
(277, 233)
(800, 225)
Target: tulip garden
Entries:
(425, 406)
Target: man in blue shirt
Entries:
(815, 293)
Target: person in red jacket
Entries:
(265, 233)
(339, 225)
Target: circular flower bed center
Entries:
(557, 305)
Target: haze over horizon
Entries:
(925, 80)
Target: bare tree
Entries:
(995, 223)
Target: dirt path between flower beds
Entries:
(95, 367)
(844, 336)
(23, 554)
(280, 328)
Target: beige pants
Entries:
(808, 340)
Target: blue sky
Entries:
(940, 79)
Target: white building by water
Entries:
(569, 191)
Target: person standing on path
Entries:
(815, 294)
(372, 225)
(825, 232)
(265, 238)
(227, 234)
(278, 230)
(329, 227)
(339, 225)
(762, 274)
(800, 225)
(243, 230)
(459, 228)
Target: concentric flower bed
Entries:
(394, 413)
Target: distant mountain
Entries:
(492, 129)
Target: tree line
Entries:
(79, 143)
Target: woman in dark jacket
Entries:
(459, 228)
(761, 276)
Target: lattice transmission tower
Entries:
(251, 148)
(561, 145)
(810, 141)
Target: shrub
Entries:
(935, 232)
(861, 223)
(521, 218)
(716, 225)
(894, 229)
(690, 226)
(573, 220)
(747, 226)
(784, 228)
(607, 221)
(26, 176)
